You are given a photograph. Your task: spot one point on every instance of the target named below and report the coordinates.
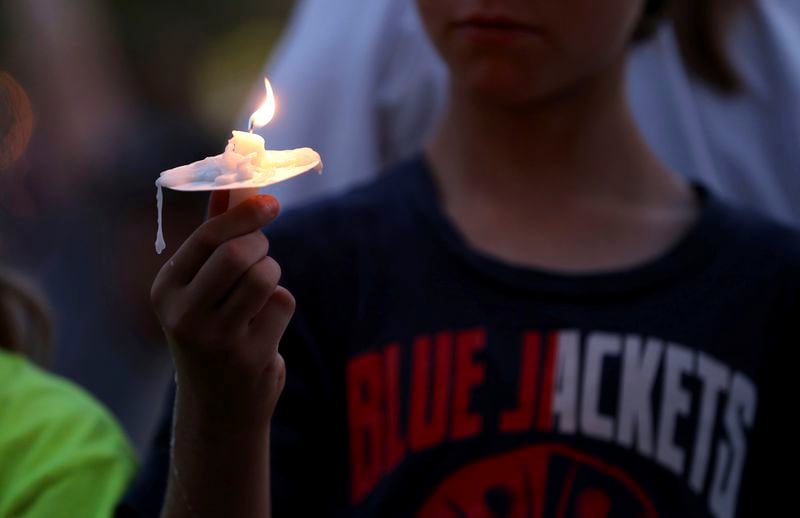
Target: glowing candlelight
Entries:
(262, 116)
(246, 144)
(244, 167)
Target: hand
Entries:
(223, 313)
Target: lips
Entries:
(495, 23)
(485, 29)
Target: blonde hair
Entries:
(25, 324)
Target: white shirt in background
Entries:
(359, 82)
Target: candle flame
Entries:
(266, 111)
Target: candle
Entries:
(246, 144)
(245, 166)
(249, 143)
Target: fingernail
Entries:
(268, 204)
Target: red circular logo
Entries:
(542, 481)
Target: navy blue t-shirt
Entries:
(428, 379)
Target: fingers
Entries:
(227, 264)
(270, 323)
(252, 291)
(245, 218)
(223, 312)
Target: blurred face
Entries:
(517, 51)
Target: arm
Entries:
(223, 314)
(216, 472)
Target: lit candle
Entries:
(248, 143)
(244, 167)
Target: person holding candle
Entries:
(534, 318)
(61, 452)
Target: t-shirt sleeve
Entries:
(64, 456)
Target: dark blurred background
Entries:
(120, 91)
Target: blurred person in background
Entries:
(110, 112)
(536, 317)
(61, 453)
(365, 94)
(73, 186)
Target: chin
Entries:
(505, 83)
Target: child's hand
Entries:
(223, 313)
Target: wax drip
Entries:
(160, 244)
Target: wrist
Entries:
(217, 468)
(216, 421)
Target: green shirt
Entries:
(61, 452)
